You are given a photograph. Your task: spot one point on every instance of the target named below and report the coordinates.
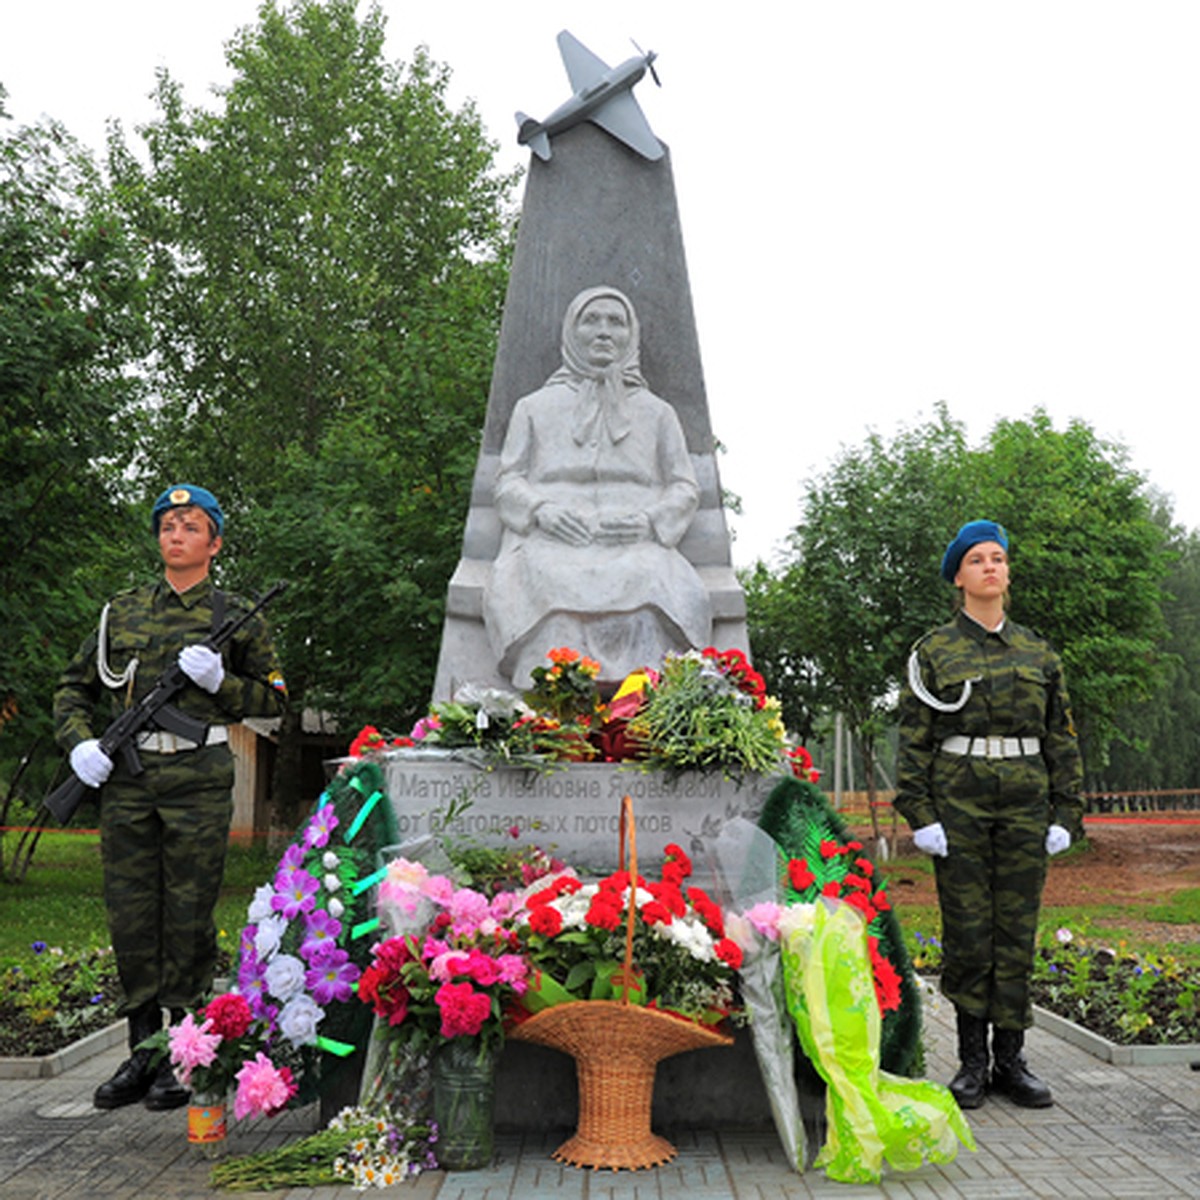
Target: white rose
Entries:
(299, 1020)
(285, 976)
(330, 861)
(268, 936)
(336, 908)
(260, 906)
(332, 883)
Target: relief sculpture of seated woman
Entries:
(595, 490)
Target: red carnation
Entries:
(230, 1015)
(602, 912)
(800, 877)
(546, 920)
(729, 952)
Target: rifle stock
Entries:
(154, 710)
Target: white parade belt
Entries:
(991, 747)
(159, 741)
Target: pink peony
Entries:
(263, 1089)
(765, 919)
(192, 1046)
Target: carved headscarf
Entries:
(602, 391)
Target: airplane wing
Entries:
(623, 118)
(583, 67)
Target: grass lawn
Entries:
(60, 901)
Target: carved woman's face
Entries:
(603, 332)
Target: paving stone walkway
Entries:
(1121, 1132)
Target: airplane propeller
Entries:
(649, 62)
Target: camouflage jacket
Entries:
(1017, 690)
(152, 624)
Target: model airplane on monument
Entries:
(603, 95)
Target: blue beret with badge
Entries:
(187, 495)
(971, 534)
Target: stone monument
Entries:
(596, 215)
(595, 522)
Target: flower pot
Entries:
(464, 1091)
(206, 1125)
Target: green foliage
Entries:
(1158, 747)
(695, 719)
(1089, 562)
(70, 323)
(330, 251)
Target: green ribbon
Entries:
(368, 881)
(364, 813)
(330, 1046)
(364, 927)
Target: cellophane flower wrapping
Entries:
(748, 885)
(871, 1115)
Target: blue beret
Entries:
(186, 495)
(971, 534)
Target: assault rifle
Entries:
(154, 711)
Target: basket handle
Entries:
(628, 834)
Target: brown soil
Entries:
(1133, 864)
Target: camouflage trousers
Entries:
(163, 838)
(990, 888)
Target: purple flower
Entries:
(320, 932)
(295, 892)
(292, 857)
(333, 979)
(252, 979)
(38, 947)
(324, 822)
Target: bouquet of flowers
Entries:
(454, 973)
(566, 689)
(575, 936)
(222, 1051)
(499, 724)
(299, 962)
(708, 710)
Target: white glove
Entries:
(90, 763)
(203, 666)
(1057, 839)
(932, 839)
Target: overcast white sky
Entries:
(885, 203)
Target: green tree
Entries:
(834, 628)
(330, 251)
(70, 322)
(1160, 746)
(1089, 563)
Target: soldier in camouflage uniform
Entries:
(164, 833)
(989, 779)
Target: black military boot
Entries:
(1010, 1076)
(969, 1086)
(134, 1077)
(166, 1092)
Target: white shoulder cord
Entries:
(924, 694)
(107, 677)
